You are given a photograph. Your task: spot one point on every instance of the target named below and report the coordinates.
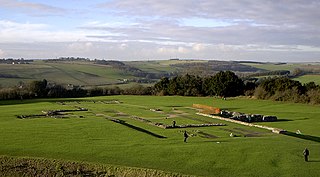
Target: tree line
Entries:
(223, 84)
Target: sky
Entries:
(251, 30)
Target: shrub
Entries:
(314, 96)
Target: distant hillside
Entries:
(213, 66)
(90, 73)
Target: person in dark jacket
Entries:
(306, 154)
(174, 123)
(185, 134)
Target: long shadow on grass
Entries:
(137, 128)
(306, 137)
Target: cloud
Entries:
(143, 51)
(173, 50)
(31, 7)
(126, 29)
(81, 47)
(2, 53)
(36, 32)
(199, 47)
(235, 22)
(10, 25)
(123, 46)
(260, 11)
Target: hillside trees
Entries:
(224, 84)
(285, 89)
(57, 91)
(38, 88)
(187, 85)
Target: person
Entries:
(185, 134)
(306, 154)
(174, 123)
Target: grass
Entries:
(274, 67)
(84, 74)
(154, 66)
(13, 166)
(79, 73)
(309, 78)
(95, 139)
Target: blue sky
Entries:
(282, 30)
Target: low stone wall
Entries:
(164, 126)
(274, 130)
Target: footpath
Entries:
(274, 130)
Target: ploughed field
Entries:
(129, 131)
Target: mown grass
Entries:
(96, 139)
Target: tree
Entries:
(38, 88)
(57, 91)
(208, 85)
(272, 85)
(227, 84)
(161, 87)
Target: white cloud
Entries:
(182, 50)
(123, 46)
(32, 8)
(81, 47)
(138, 29)
(32, 32)
(172, 50)
(2, 53)
(10, 25)
(199, 47)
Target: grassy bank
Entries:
(31, 167)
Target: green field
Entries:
(286, 66)
(309, 78)
(90, 136)
(85, 74)
(274, 67)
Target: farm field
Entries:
(274, 67)
(84, 74)
(120, 130)
(309, 78)
(286, 66)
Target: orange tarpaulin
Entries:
(207, 109)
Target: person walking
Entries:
(185, 134)
(306, 154)
(174, 123)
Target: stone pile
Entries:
(247, 117)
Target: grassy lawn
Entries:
(96, 139)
